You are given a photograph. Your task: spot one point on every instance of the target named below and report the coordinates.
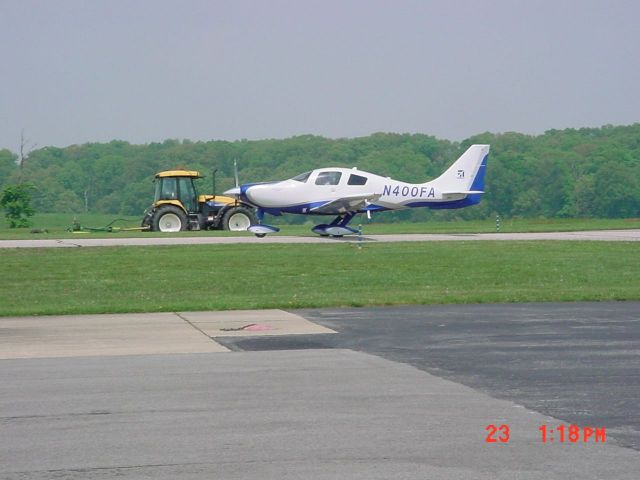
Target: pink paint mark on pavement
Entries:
(257, 327)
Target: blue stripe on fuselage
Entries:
(304, 208)
(465, 202)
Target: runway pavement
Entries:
(595, 235)
(402, 392)
(141, 333)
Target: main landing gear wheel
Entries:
(169, 218)
(238, 219)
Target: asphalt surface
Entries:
(399, 392)
(596, 235)
(577, 362)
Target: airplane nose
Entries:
(255, 194)
(262, 195)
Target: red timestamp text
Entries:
(495, 434)
(572, 434)
(549, 434)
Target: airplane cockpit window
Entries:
(303, 177)
(357, 180)
(328, 178)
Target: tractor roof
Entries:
(178, 173)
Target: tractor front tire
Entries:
(238, 219)
(169, 218)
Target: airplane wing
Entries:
(351, 203)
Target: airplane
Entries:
(346, 192)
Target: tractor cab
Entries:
(176, 187)
(177, 206)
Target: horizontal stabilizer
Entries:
(464, 193)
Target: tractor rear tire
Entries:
(169, 218)
(238, 219)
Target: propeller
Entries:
(235, 171)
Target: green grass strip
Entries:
(53, 225)
(220, 277)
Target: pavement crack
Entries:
(186, 320)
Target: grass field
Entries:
(217, 277)
(56, 224)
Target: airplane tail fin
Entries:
(466, 175)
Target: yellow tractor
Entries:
(177, 206)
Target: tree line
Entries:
(587, 172)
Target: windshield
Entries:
(177, 188)
(167, 188)
(303, 177)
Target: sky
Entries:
(78, 71)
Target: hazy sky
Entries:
(148, 70)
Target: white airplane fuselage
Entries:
(348, 191)
(293, 196)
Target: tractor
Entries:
(177, 206)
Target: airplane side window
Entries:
(357, 180)
(328, 178)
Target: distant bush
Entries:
(16, 202)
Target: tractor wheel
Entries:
(169, 218)
(238, 219)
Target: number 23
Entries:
(493, 430)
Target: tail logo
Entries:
(460, 173)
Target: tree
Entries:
(16, 201)
(25, 150)
(585, 172)
(617, 191)
(8, 166)
(584, 198)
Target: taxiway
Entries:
(595, 235)
(402, 392)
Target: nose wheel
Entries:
(261, 230)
